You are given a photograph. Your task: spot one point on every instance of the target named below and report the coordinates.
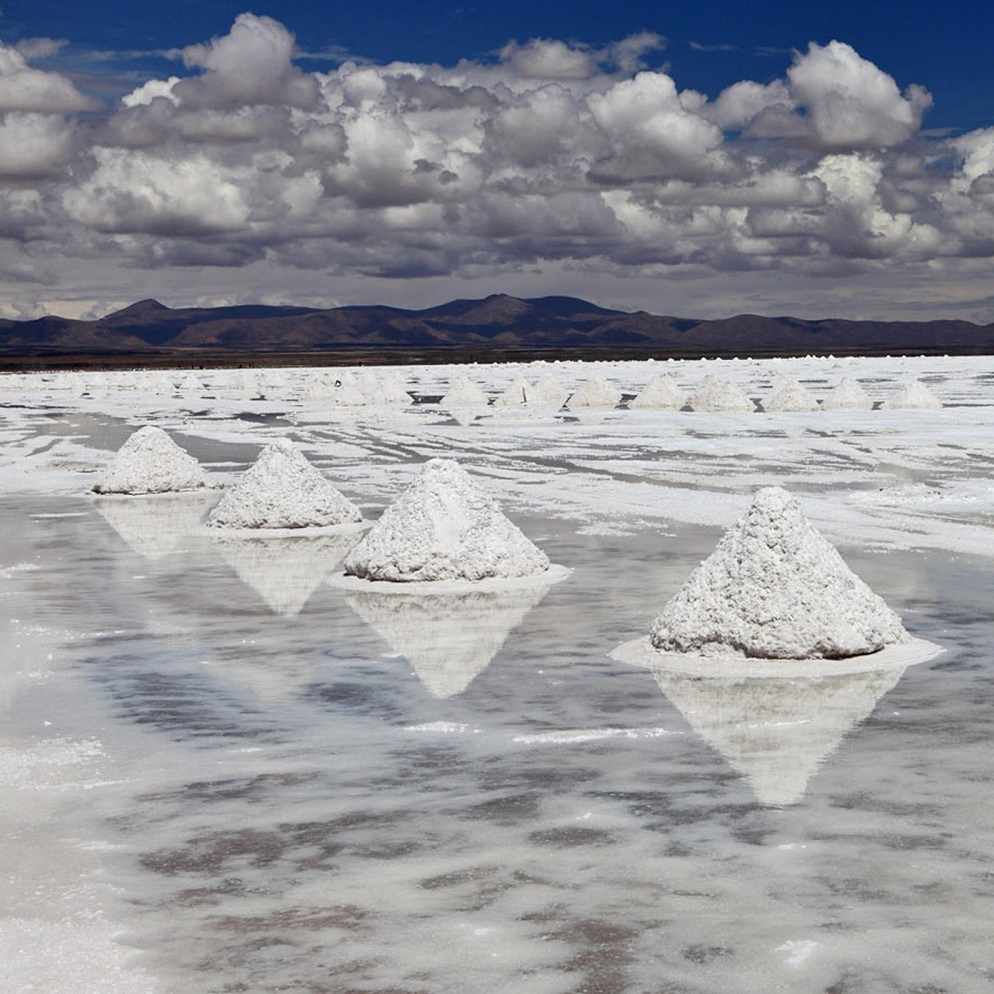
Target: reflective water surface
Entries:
(275, 785)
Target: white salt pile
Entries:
(548, 392)
(661, 393)
(516, 395)
(444, 527)
(391, 391)
(913, 396)
(788, 395)
(715, 395)
(346, 394)
(463, 393)
(283, 490)
(595, 392)
(847, 396)
(774, 588)
(150, 462)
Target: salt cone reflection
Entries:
(284, 572)
(154, 526)
(449, 639)
(777, 732)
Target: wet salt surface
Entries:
(220, 775)
(270, 803)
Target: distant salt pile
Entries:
(595, 392)
(774, 588)
(150, 462)
(516, 395)
(346, 394)
(847, 396)
(661, 393)
(913, 396)
(444, 527)
(789, 395)
(548, 392)
(391, 391)
(715, 395)
(462, 393)
(283, 490)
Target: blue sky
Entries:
(688, 159)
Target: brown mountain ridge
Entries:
(491, 327)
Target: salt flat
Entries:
(221, 773)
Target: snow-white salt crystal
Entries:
(914, 396)
(150, 462)
(281, 489)
(774, 588)
(789, 395)
(661, 393)
(444, 527)
(847, 396)
(595, 392)
(715, 395)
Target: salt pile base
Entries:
(444, 528)
(282, 490)
(847, 396)
(714, 395)
(774, 589)
(150, 462)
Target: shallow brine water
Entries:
(259, 782)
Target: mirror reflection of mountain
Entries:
(154, 526)
(777, 732)
(284, 572)
(449, 639)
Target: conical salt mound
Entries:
(390, 391)
(462, 393)
(777, 732)
(150, 462)
(449, 639)
(516, 395)
(596, 392)
(443, 527)
(548, 392)
(714, 395)
(775, 589)
(912, 397)
(789, 395)
(660, 394)
(281, 489)
(847, 396)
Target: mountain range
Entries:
(489, 328)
